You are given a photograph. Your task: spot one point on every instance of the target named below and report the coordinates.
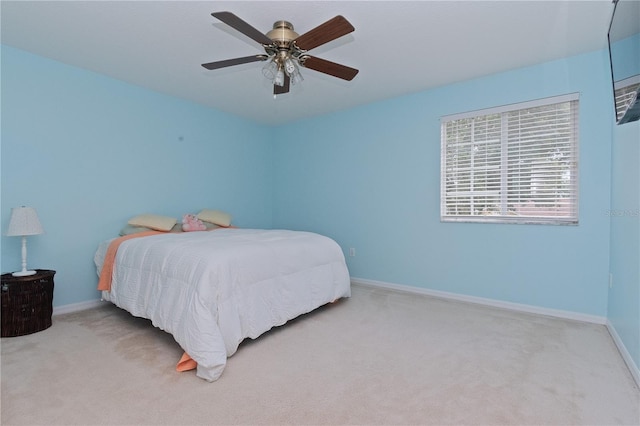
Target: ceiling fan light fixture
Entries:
(270, 69)
(290, 66)
(280, 66)
(296, 78)
(278, 80)
(293, 71)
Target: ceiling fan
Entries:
(286, 50)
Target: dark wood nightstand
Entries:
(26, 303)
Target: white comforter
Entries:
(211, 290)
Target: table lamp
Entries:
(24, 221)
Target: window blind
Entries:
(513, 164)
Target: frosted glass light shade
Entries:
(269, 70)
(279, 78)
(24, 221)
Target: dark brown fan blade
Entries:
(327, 67)
(324, 33)
(278, 90)
(234, 22)
(232, 62)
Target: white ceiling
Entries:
(399, 47)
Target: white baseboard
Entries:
(633, 368)
(483, 301)
(75, 307)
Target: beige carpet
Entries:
(380, 357)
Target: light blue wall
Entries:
(370, 178)
(88, 152)
(624, 295)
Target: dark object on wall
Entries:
(26, 303)
(624, 56)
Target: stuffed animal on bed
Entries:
(191, 223)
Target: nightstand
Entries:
(26, 303)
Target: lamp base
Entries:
(23, 273)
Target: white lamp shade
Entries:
(24, 221)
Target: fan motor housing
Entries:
(282, 34)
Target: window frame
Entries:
(503, 215)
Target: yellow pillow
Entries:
(215, 216)
(153, 221)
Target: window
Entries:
(512, 164)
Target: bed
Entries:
(212, 289)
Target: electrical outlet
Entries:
(352, 252)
